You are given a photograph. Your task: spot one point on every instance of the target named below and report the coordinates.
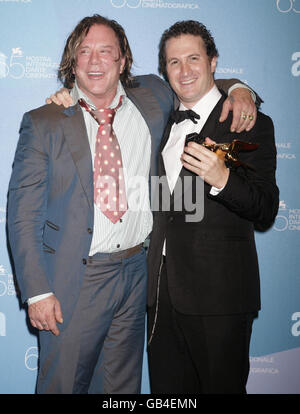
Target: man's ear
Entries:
(213, 64)
(74, 63)
(123, 62)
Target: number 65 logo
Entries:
(13, 68)
(132, 4)
(285, 6)
(31, 358)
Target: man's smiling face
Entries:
(99, 64)
(190, 70)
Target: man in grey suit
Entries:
(75, 265)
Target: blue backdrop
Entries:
(258, 42)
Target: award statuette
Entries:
(227, 152)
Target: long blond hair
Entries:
(68, 60)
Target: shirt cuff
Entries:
(37, 298)
(215, 191)
(242, 85)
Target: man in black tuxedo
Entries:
(203, 289)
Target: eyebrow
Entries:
(102, 46)
(172, 58)
(177, 58)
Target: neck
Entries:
(103, 101)
(191, 105)
(96, 101)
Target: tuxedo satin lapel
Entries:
(182, 185)
(77, 139)
(212, 123)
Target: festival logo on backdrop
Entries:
(2, 215)
(264, 365)
(16, 65)
(7, 285)
(295, 329)
(296, 66)
(31, 358)
(288, 6)
(16, 1)
(154, 4)
(285, 151)
(2, 324)
(287, 218)
(266, 368)
(232, 72)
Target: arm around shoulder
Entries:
(230, 84)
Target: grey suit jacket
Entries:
(50, 203)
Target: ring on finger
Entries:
(251, 117)
(244, 116)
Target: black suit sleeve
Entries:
(254, 195)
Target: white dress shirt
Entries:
(174, 147)
(135, 143)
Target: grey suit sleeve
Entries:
(226, 84)
(27, 200)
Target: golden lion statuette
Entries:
(226, 151)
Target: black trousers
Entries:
(192, 354)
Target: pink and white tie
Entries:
(109, 185)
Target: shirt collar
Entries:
(76, 93)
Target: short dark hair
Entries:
(68, 60)
(191, 27)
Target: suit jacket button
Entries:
(171, 218)
(84, 261)
(90, 231)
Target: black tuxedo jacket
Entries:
(212, 264)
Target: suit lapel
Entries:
(146, 103)
(77, 140)
(212, 123)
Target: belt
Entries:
(123, 254)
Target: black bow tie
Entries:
(179, 116)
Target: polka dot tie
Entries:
(109, 185)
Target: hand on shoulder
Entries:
(61, 97)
